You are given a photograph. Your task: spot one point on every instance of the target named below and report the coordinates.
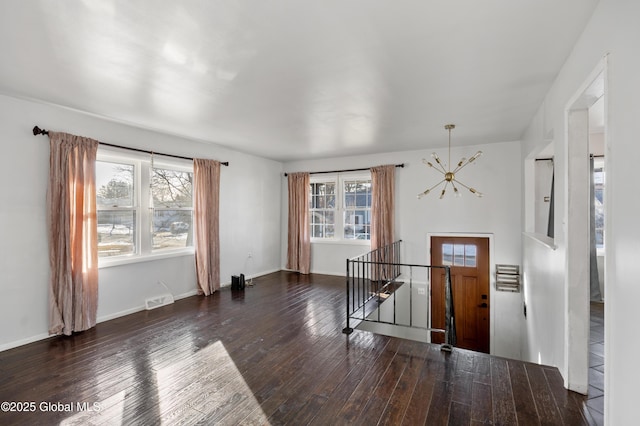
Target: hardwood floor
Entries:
(273, 354)
(595, 402)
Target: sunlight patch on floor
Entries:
(205, 386)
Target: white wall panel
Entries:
(249, 218)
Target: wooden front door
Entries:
(468, 258)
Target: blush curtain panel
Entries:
(299, 240)
(383, 180)
(73, 233)
(206, 201)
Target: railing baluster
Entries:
(364, 289)
(410, 296)
(348, 329)
(449, 328)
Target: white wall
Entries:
(613, 30)
(250, 195)
(497, 174)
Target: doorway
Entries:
(468, 258)
(581, 253)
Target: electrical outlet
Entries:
(249, 255)
(422, 291)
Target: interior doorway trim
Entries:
(576, 232)
(492, 274)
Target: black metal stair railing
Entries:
(374, 277)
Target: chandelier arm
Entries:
(472, 190)
(463, 184)
(469, 161)
(444, 171)
(444, 189)
(462, 166)
(428, 163)
(436, 185)
(426, 191)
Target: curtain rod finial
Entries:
(38, 131)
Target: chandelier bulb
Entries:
(456, 193)
(428, 163)
(442, 195)
(476, 193)
(475, 156)
(462, 162)
(423, 193)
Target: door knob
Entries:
(482, 305)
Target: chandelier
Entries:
(449, 176)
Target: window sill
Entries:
(542, 239)
(343, 242)
(126, 260)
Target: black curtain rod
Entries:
(38, 131)
(344, 171)
(551, 158)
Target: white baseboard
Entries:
(335, 274)
(104, 318)
(22, 342)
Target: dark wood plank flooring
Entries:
(596, 363)
(273, 354)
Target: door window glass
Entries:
(464, 255)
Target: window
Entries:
(117, 210)
(322, 209)
(459, 255)
(172, 208)
(340, 208)
(544, 207)
(142, 209)
(357, 209)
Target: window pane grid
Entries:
(322, 205)
(116, 233)
(357, 214)
(171, 188)
(464, 255)
(142, 209)
(115, 184)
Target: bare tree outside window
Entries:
(172, 191)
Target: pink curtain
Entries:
(299, 242)
(206, 200)
(383, 216)
(383, 181)
(73, 233)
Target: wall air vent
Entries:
(508, 278)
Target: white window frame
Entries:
(326, 180)
(339, 179)
(144, 214)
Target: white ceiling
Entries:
(295, 79)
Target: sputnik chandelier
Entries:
(449, 176)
